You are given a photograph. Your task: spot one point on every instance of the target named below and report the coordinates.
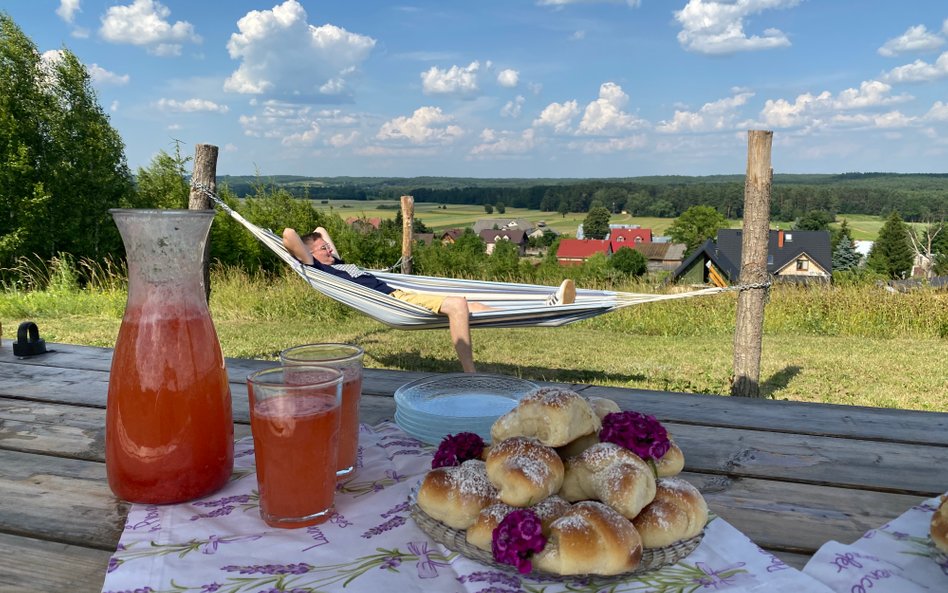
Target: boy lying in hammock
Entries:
(317, 249)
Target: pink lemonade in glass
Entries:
(349, 425)
(294, 437)
(348, 359)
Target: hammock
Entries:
(514, 305)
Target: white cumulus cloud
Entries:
(453, 81)
(425, 126)
(343, 139)
(815, 111)
(610, 145)
(513, 107)
(102, 76)
(915, 39)
(919, 71)
(144, 23)
(191, 106)
(303, 138)
(281, 55)
(558, 116)
(504, 143)
(714, 116)
(938, 112)
(67, 10)
(717, 26)
(604, 116)
(508, 78)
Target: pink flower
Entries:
(458, 448)
(642, 434)
(517, 538)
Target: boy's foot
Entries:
(564, 295)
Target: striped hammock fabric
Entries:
(514, 305)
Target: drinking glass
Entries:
(294, 418)
(348, 359)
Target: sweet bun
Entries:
(677, 512)
(590, 538)
(939, 528)
(671, 463)
(524, 471)
(553, 415)
(602, 406)
(481, 533)
(611, 474)
(456, 494)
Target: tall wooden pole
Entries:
(408, 223)
(204, 174)
(749, 330)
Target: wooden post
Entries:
(408, 223)
(748, 332)
(204, 174)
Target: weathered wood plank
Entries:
(31, 565)
(69, 501)
(893, 467)
(711, 410)
(59, 429)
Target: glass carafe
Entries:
(169, 430)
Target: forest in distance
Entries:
(916, 197)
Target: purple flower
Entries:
(391, 563)
(642, 434)
(114, 563)
(458, 448)
(517, 538)
(491, 577)
(396, 521)
(211, 587)
(271, 569)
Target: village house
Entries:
(491, 237)
(363, 224)
(504, 224)
(792, 256)
(573, 252)
(449, 236)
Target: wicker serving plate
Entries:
(456, 541)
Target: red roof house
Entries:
(629, 237)
(573, 252)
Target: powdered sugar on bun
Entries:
(677, 512)
(455, 495)
(524, 471)
(553, 415)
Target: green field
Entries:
(857, 345)
(863, 226)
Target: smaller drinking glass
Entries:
(294, 418)
(348, 359)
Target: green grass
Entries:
(847, 345)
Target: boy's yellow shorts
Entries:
(432, 302)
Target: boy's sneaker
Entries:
(564, 295)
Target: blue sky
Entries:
(543, 88)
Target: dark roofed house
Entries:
(451, 235)
(573, 252)
(504, 224)
(491, 237)
(660, 257)
(426, 238)
(794, 256)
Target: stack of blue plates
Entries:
(433, 407)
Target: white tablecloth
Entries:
(895, 558)
(220, 544)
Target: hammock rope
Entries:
(514, 305)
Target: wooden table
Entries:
(789, 475)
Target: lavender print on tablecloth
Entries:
(220, 545)
(897, 557)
